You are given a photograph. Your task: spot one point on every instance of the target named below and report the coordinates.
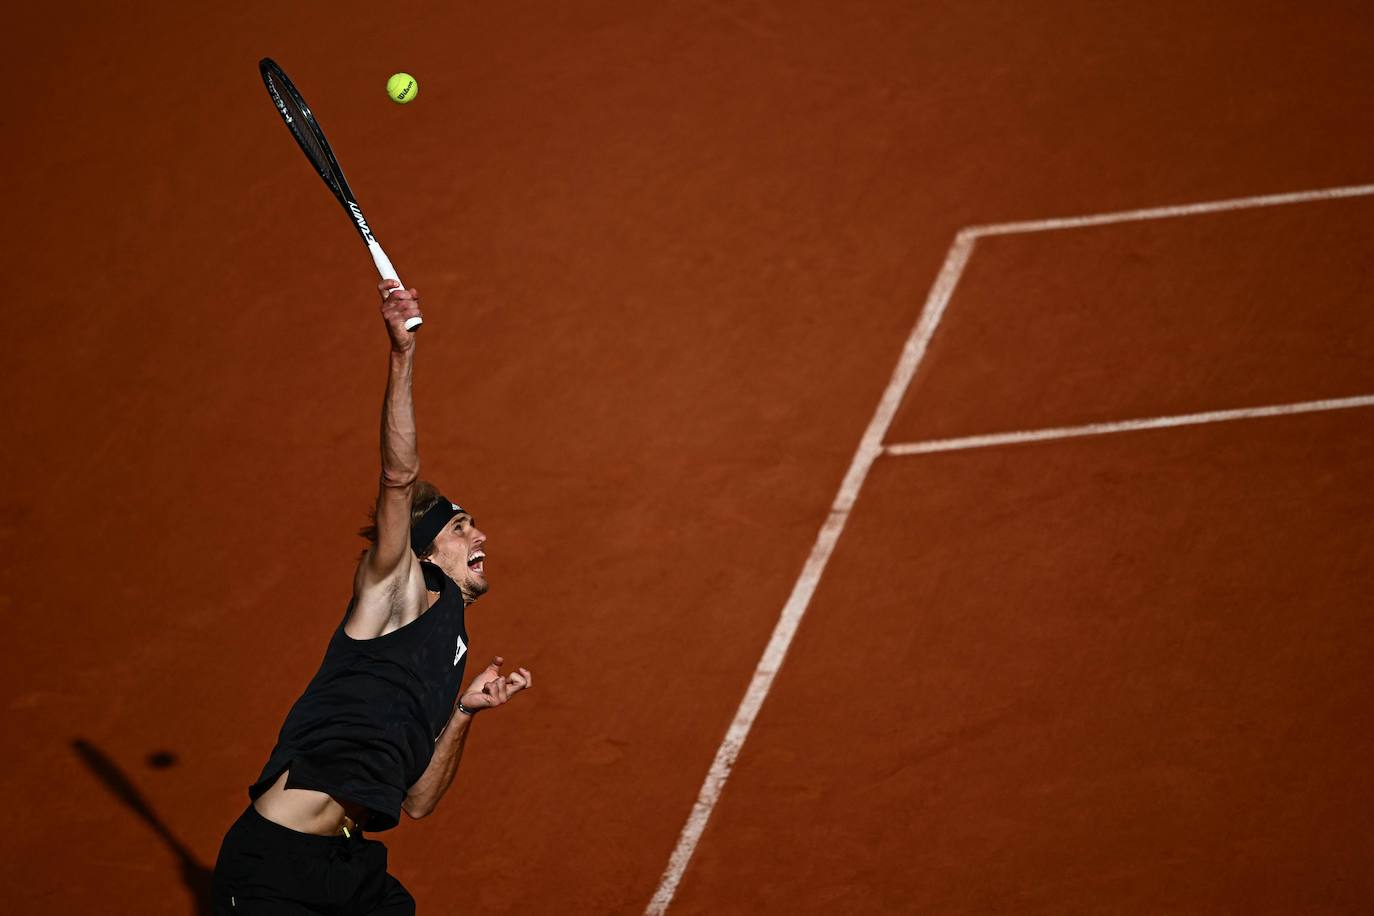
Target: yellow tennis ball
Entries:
(402, 88)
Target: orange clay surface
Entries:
(669, 254)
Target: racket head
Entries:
(296, 114)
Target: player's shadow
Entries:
(196, 876)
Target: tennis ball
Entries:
(402, 88)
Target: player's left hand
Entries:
(491, 688)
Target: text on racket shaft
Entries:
(362, 223)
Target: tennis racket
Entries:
(303, 126)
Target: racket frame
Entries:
(279, 85)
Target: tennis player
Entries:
(380, 728)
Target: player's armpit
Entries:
(381, 604)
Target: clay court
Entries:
(925, 448)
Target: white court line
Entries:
(870, 447)
(1131, 216)
(1121, 426)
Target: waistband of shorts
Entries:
(253, 820)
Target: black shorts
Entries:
(265, 868)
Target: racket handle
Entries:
(389, 273)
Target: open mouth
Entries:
(475, 562)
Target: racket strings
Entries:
(301, 125)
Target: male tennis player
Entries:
(380, 728)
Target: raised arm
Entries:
(390, 557)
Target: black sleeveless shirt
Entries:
(364, 730)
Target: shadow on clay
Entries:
(195, 875)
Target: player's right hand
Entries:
(398, 305)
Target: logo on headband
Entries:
(428, 526)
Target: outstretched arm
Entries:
(391, 556)
(488, 690)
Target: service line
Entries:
(869, 449)
(1122, 426)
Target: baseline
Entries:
(1132, 216)
(869, 449)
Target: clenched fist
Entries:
(398, 305)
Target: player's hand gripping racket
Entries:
(306, 130)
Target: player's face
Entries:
(459, 550)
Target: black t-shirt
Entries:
(364, 730)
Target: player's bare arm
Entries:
(487, 691)
(389, 589)
(380, 728)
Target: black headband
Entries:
(424, 531)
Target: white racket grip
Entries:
(389, 273)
